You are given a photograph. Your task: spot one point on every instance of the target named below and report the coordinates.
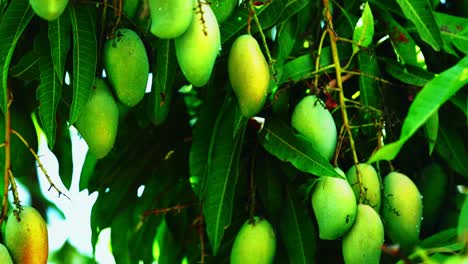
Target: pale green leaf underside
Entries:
(364, 29)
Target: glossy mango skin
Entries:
(334, 206)
(402, 210)
(363, 242)
(371, 184)
(27, 240)
(48, 9)
(170, 18)
(5, 257)
(249, 74)
(198, 47)
(312, 120)
(126, 64)
(255, 243)
(99, 120)
(223, 9)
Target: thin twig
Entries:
(14, 189)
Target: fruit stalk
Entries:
(339, 83)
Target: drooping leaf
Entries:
(59, 37)
(425, 104)
(454, 30)
(27, 67)
(171, 250)
(462, 227)
(364, 29)
(222, 170)
(87, 170)
(16, 18)
(451, 147)
(297, 231)
(431, 129)
(369, 88)
(48, 94)
(441, 239)
(63, 151)
(286, 39)
(278, 139)
(84, 56)
(164, 68)
(408, 74)
(420, 13)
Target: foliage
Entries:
(393, 74)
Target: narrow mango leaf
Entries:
(84, 56)
(453, 30)
(420, 13)
(164, 68)
(451, 147)
(297, 231)
(48, 94)
(430, 129)
(169, 245)
(16, 18)
(59, 37)
(369, 88)
(278, 139)
(425, 104)
(462, 228)
(364, 29)
(63, 151)
(405, 46)
(286, 39)
(87, 170)
(222, 170)
(27, 67)
(408, 74)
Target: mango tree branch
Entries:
(6, 173)
(339, 82)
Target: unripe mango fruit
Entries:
(312, 120)
(48, 9)
(5, 257)
(27, 239)
(127, 67)
(363, 242)
(170, 18)
(197, 48)
(255, 243)
(334, 206)
(223, 8)
(371, 183)
(99, 120)
(402, 210)
(249, 74)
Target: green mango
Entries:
(127, 67)
(27, 239)
(98, 123)
(249, 74)
(433, 186)
(198, 47)
(22, 160)
(334, 206)
(130, 7)
(371, 183)
(5, 257)
(363, 242)
(312, 120)
(223, 9)
(170, 18)
(402, 210)
(255, 243)
(48, 9)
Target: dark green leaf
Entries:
(408, 74)
(27, 67)
(451, 147)
(441, 239)
(16, 18)
(84, 56)
(425, 104)
(364, 29)
(431, 128)
(59, 37)
(454, 30)
(297, 231)
(420, 13)
(369, 88)
(171, 251)
(63, 152)
(278, 139)
(87, 170)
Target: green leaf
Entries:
(63, 152)
(441, 239)
(164, 69)
(48, 94)
(425, 104)
(369, 88)
(84, 56)
(222, 171)
(420, 13)
(462, 228)
(450, 146)
(27, 67)
(431, 127)
(87, 170)
(297, 231)
(453, 30)
(408, 74)
(278, 139)
(16, 18)
(364, 29)
(59, 37)
(286, 39)
(171, 251)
